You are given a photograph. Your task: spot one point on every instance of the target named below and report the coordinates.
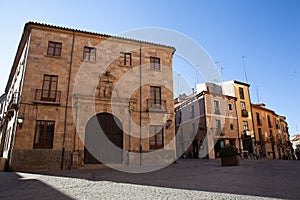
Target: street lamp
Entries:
(20, 121)
(169, 122)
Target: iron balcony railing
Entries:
(47, 95)
(14, 101)
(244, 113)
(156, 105)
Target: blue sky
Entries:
(266, 32)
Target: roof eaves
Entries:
(98, 34)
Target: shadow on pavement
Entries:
(13, 186)
(264, 178)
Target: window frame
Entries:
(48, 90)
(217, 107)
(258, 121)
(89, 53)
(243, 105)
(260, 134)
(269, 121)
(157, 131)
(245, 126)
(229, 106)
(192, 111)
(54, 50)
(153, 95)
(241, 92)
(155, 63)
(44, 124)
(218, 124)
(125, 59)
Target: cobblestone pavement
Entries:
(186, 179)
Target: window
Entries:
(231, 126)
(269, 122)
(89, 54)
(193, 128)
(125, 59)
(243, 105)
(271, 134)
(260, 134)
(49, 91)
(258, 119)
(241, 91)
(54, 49)
(245, 125)
(155, 95)
(180, 115)
(193, 111)
(230, 106)
(218, 125)
(44, 133)
(154, 63)
(156, 139)
(244, 111)
(217, 107)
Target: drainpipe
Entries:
(252, 139)
(238, 127)
(129, 133)
(67, 104)
(141, 105)
(205, 125)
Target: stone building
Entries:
(205, 122)
(75, 98)
(271, 133)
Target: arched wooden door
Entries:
(103, 140)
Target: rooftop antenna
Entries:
(196, 79)
(245, 68)
(221, 67)
(178, 84)
(257, 95)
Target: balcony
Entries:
(245, 113)
(154, 105)
(13, 104)
(47, 96)
(246, 134)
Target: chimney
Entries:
(193, 91)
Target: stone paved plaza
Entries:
(186, 179)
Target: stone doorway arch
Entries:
(103, 140)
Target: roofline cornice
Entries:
(90, 33)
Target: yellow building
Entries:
(240, 90)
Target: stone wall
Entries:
(39, 159)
